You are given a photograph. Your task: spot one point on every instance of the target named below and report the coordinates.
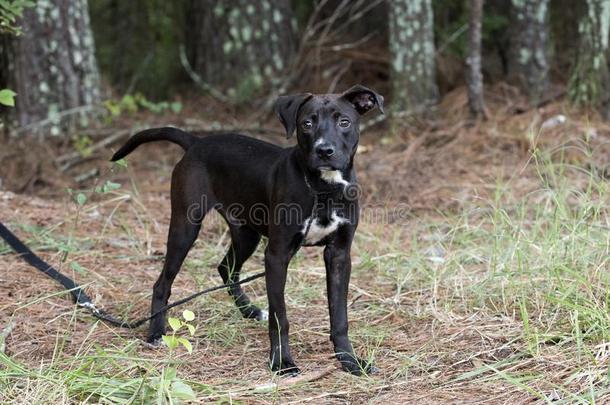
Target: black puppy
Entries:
(294, 196)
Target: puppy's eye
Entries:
(307, 125)
(344, 123)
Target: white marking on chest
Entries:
(333, 177)
(315, 232)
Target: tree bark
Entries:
(528, 63)
(52, 67)
(590, 80)
(240, 46)
(413, 68)
(474, 77)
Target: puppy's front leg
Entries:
(338, 268)
(276, 266)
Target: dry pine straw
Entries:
(422, 349)
(442, 347)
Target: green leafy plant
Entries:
(7, 97)
(172, 341)
(82, 144)
(132, 103)
(170, 387)
(98, 375)
(81, 197)
(10, 11)
(107, 187)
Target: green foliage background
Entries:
(138, 43)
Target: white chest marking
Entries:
(333, 177)
(317, 232)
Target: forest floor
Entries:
(480, 271)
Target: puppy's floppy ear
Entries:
(363, 99)
(287, 109)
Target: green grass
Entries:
(507, 295)
(538, 260)
(98, 372)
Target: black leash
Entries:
(83, 300)
(104, 316)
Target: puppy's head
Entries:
(327, 125)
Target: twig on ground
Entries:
(348, 392)
(99, 145)
(87, 175)
(75, 162)
(4, 334)
(283, 383)
(57, 117)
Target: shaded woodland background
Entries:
(72, 60)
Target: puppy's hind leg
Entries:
(189, 206)
(181, 237)
(243, 243)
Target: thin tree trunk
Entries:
(474, 77)
(590, 80)
(53, 66)
(240, 46)
(528, 63)
(413, 68)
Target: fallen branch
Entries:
(59, 116)
(361, 389)
(280, 384)
(87, 175)
(99, 145)
(283, 383)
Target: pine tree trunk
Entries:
(240, 46)
(413, 68)
(474, 77)
(590, 80)
(52, 66)
(528, 63)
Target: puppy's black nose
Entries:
(325, 151)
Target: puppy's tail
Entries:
(171, 134)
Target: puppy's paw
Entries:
(263, 315)
(153, 343)
(356, 366)
(254, 312)
(285, 368)
(155, 336)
